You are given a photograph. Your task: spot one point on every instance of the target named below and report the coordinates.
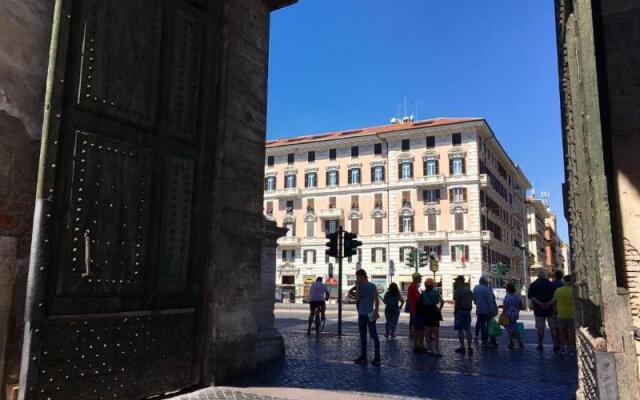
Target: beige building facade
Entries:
(544, 245)
(442, 185)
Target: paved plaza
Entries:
(323, 368)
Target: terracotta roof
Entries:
(368, 131)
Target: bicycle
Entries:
(318, 321)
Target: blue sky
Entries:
(339, 64)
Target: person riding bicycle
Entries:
(318, 295)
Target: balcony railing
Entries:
(487, 236)
(332, 213)
(288, 241)
(432, 235)
(433, 180)
(283, 193)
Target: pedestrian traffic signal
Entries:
(332, 244)
(351, 244)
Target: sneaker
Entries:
(556, 348)
(540, 348)
(360, 360)
(460, 350)
(376, 362)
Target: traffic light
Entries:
(330, 270)
(424, 259)
(332, 244)
(434, 265)
(351, 244)
(410, 259)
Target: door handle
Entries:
(87, 255)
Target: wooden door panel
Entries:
(174, 264)
(183, 100)
(120, 59)
(108, 218)
(123, 136)
(114, 355)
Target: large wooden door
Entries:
(119, 249)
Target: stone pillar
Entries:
(8, 252)
(269, 344)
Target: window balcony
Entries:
(484, 180)
(432, 180)
(288, 241)
(487, 236)
(332, 213)
(287, 193)
(432, 235)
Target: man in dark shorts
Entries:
(318, 295)
(541, 295)
(463, 303)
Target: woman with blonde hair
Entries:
(432, 304)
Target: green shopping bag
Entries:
(521, 330)
(494, 328)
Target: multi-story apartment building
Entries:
(444, 185)
(545, 246)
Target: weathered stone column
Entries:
(8, 252)
(269, 344)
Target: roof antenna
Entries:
(416, 105)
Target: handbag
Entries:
(503, 319)
(494, 328)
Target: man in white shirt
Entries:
(318, 295)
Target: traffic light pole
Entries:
(340, 281)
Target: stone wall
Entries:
(620, 57)
(25, 28)
(237, 213)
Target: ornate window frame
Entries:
(432, 210)
(458, 208)
(378, 212)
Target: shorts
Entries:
(418, 321)
(462, 320)
(315, 304)
(551, 321)
(566, 325)
(432, 316)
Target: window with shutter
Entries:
(304, 257)
(355, 226)
(378, 226)
(432, 224)
(373, 255)
(310, 229)
(384, 255)
(453, 253)
(459, 221)
(466, 253)
(464, 194)
(463, 165)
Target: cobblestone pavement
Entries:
(326, 363)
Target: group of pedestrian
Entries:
(553, 305)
